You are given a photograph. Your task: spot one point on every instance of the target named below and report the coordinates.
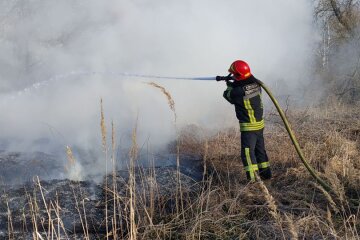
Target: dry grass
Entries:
(170, 100)
(226, 206)
(71, 159)
(105, 149)
(330, 139)
(179, 193)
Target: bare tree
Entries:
(342, 15)
(340, 46)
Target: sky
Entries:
(43, 45)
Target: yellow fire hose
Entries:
(294, 141)
(282, 115)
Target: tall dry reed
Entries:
(179, 193)
(104, 145)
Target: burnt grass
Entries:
(79, 206)
(209, 197)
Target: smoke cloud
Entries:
(42, 39)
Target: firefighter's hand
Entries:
(229, 84)
(223, 78)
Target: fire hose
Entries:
(312, 171)
(294, 141)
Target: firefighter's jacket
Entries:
(246, 96)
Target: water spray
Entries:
(59, 77)
(228, 78)
(313, 172)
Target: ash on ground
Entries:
(36, 204)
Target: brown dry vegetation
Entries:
(225, 205)
(291, 205)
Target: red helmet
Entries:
(240, 69)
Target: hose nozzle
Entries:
(224, 78)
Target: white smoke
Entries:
(40, 39)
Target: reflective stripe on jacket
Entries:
(246, 96)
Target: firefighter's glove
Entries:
(223, 78)
(229, 84)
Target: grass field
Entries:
(224, 205)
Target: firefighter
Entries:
(245, 94)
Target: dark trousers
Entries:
(253, 155)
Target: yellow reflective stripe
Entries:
(264, 165)
(246, 129)
(247, 107)
(250, 110)
(253, 167)
(252, 126)
(250, 165)
(246, 104)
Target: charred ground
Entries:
(168, 203)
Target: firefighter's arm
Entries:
(228, 92)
